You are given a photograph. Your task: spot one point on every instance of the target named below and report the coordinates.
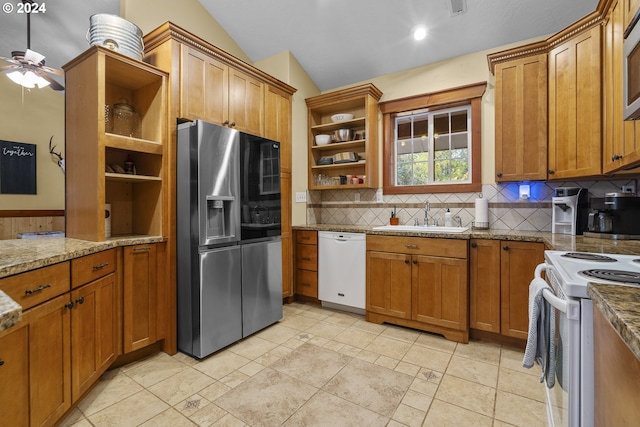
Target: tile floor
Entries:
(320, 367)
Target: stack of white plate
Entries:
(117, 34)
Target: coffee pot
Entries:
(615, 216)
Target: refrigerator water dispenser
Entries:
(218, 220)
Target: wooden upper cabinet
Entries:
(277, 123)
(246, 103)
(619, 143)
(204, 86)
(521, 119)
(631, 7)
(575, 106)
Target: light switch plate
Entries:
(301, 197)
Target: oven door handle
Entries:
(558, 303)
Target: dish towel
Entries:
(541, 346)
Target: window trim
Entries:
(462, 95)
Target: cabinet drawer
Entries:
(307, 257)
(307, 283)
(449, 248)
(34, 287)
(307, 237)
(92, 267)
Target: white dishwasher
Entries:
(341, 269)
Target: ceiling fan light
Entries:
(27, 79)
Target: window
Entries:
(432, 142)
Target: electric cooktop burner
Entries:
(614, 275)
(589, 257)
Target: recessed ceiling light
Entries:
(419, 33)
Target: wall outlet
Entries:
(301, 197)
(630, 188)
(356, 197)
(379, 198)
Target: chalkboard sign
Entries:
(17, 168)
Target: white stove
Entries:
(568, 274)
(576, 269)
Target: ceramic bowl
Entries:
(323, 139)
(341, 117)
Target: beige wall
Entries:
(34, 116)
(188, 14)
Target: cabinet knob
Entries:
(233, 124)
(499, 174)
(474, 245)
(415, 261)
(551, 171)
(80, 300)
(615, 157)
(226, 122)
(406, 261)
(1, 362)
(69, 305)
(505, 247)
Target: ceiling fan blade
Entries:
(9, 60)
(8, 68)
(52, 83)
(52, 71)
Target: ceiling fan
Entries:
(27, 68)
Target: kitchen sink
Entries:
(421, 228)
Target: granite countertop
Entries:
(621, 306)
(20, 255)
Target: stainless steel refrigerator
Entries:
(229, 252)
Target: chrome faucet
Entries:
(458, 220)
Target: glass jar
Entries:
(125, 119)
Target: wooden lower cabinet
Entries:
(419, 283)
(140, 297)
(306, 263)
(616, 376)
(14, 370)
(500, 273)
(93, 332)
(49, 355)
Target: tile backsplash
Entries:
(506, 210)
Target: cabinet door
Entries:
(14, 370)
(518, 262)
(630, 9)
(484, 285)
(204, 92)
(439, 294)
(575, 107)
(140, 292)
(389, 284)
(521, 119)
(277, 123)
(619, 136)
(246, 103)
(49, 360)
(93, 332)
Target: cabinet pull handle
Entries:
(411, 246)
(474, 245)
(99, 266)
(305, 284)
(38, 289)
(505, 247)
(80, 300)
(306, 259)
(415, 261)
(305, 237)
(69, 305)
(146, 248)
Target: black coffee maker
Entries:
(614, 216)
